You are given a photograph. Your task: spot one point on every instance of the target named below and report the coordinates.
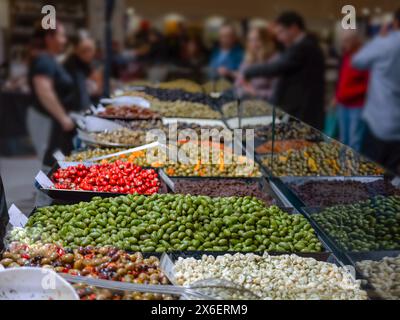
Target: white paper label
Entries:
(17, 218)
(167, 180)
(44, 180)
(167, 267)
(58, 155)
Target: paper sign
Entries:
(44, 180)
(17, 218)
(167, 180)
(58, 155)
(167, 267)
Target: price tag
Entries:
(44, 180)
(167, 180)
(58, 155)
(167, 267)
(17, 218)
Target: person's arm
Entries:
(286, 63)
(45, 92)
(4, 218)
(365, 58)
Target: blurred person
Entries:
(79, 65)
(175, 36)
(4, 218)
(260, 48)
(381, 56)
(227, 57)
(50, 126)
(350, 92)
(119, 61)
(301, 69)
(194, 57)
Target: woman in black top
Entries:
(52, 89)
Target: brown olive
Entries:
(6, 262)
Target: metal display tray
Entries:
(82, 195)
(374, 256)
(291, 196)
(90, 141)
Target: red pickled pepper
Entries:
(117, 177)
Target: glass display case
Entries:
(336, 201)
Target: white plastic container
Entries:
(34, 284)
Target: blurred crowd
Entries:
(281, 62)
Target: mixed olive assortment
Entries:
(286, 131)
(120, 137)
(105, 263)
(320, 159)
(160, 223)
(282, 146)
(182, 84)
(91, 154)
(86, 292)
(186, 108)
(365, 226)
(235, 166)
(249, 108)
(128, 112)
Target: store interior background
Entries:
(16, 159)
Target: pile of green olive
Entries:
(366, 226)
(160, 223)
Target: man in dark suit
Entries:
(301, 69)
(3, 215)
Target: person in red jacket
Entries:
(351, 92)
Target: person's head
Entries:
(51, 40)
(288, 27)
(84, 47)
(259, 45)
(227, 36)
(350, 40)
(397, 19)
